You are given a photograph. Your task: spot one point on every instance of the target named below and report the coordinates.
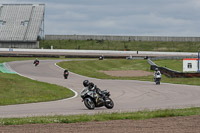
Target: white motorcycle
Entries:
(157, 78)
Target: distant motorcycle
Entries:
(92, 99)
(101, 57)
(157, 79)
(36, 62)
(66, 74)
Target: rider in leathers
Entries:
(36, 60)
(92, 87)
(156, 73)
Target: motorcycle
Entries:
(36, 62)
(101, 58)
(157, 79)
(92, 99)
(66, 73)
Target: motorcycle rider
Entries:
(92, 87)
(66, 73)
(36, 60)
(94, 97)
(156, 73)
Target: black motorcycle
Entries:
(36, 62)
(92, 99)
(66, 74)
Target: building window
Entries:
(24, 23)
(2, 22)
(189, 65)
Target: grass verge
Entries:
(93, 68)
(176, 65)
(15, 89)
(140, 115)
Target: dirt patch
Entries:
(128, 73)
(189, 124)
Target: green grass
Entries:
(15, 89)
(140, 115)
(172, 64)
(92, 68)
(121, 45)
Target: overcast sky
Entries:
(120, 17)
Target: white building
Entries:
(190, 64)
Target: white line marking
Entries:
(19, 73)
(76, 93)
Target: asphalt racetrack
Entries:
(128, 95)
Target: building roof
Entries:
(190, 59)
(21, 22)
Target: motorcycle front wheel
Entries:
(109, 104)
(158, 83)
(89, 103)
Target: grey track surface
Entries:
(128, 95)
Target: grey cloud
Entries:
(121, 17)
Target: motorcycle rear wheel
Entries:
(89, 103)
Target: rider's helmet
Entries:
(91, 86)
(86, 83)
(156, 69)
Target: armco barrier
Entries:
(171, 73)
